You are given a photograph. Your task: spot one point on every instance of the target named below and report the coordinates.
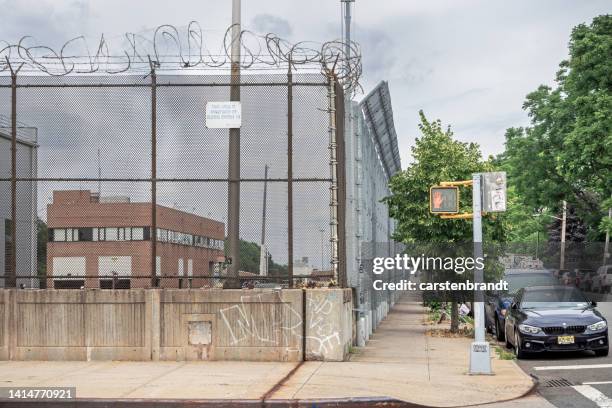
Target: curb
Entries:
(228, 403)
(531, 390)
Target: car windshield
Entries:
(554, 298)
(524, 280)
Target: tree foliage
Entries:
(41, 240)
(249, 259)
(566, 153)
(437, 157)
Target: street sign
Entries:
(223, 115)
(444, 200)
(494, 191)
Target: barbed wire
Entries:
(170, 50)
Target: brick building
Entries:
(92, 236)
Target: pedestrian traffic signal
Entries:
(444, 200)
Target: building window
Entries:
(99, 234)
(59, 235)
(85, 234)
(137, 234)
(112, 234)
(115, 283)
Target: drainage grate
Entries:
(555, 383)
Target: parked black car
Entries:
(555, 318)
(498, 303)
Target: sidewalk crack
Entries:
(307, 380)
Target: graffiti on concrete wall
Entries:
(319, 324)
(244, 326)
(284, 329)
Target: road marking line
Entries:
(594, 395)
(597, 383)
(572, 367)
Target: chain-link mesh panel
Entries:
(252, 222)
(311, 132)
(81, 127)
(312, 241)
(91, 212)
(191, 229)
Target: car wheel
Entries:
(602, 353)
(498, 332)
(518, 351)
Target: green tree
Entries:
(566, 153)
(42, 238)
(249, 259)
(437, 157)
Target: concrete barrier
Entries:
(177, 325)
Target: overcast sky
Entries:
(469, 63)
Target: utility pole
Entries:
(347, 31)
(563, 227)
(233, 197)
(99, 175)
(348, 109)
(606, 254)
(263, 256)
(265, 199)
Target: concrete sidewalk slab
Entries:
(402, 362)
(190, 380)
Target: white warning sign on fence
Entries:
(223, 115)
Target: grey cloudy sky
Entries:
(469, 63)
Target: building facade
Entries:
(25, 247)
(107, 242)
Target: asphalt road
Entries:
(574, 380)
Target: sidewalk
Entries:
(399, 362)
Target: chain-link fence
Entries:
(115, 181)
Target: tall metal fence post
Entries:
(11, 278)
(154, 281)
(333, 166)
(290, 175)
(341, 184)
(233, 196)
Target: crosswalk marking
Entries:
(572, 367)
(594, 395)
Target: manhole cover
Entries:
(556, 383)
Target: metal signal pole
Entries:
(233, 197)
(480, 362)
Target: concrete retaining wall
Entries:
(177, 325)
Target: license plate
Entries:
(565, 339)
